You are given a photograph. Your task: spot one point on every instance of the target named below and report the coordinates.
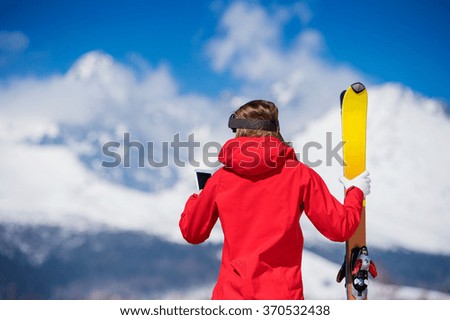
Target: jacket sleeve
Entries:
(200, 214)
(334, 220)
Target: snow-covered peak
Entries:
(407, 156)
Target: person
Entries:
(259, 195)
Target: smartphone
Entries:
(202, 176)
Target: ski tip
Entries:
(358, 87)
(341, 97)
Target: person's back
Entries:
(259, 211)
(259, 196)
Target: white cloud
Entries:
(99, 90)
(295, 76)
(246, 28)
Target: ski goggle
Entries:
(253, 124)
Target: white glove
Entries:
(362, 182)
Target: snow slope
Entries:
(319, 273)
(50, 185)
(319, 284)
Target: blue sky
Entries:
(402, 41)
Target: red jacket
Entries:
(259, 196)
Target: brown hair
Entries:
(261, 110)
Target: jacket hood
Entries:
(251, 156)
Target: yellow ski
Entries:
(354, 120)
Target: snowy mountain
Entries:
(54, 263)
(56, 193)
(407, 156)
